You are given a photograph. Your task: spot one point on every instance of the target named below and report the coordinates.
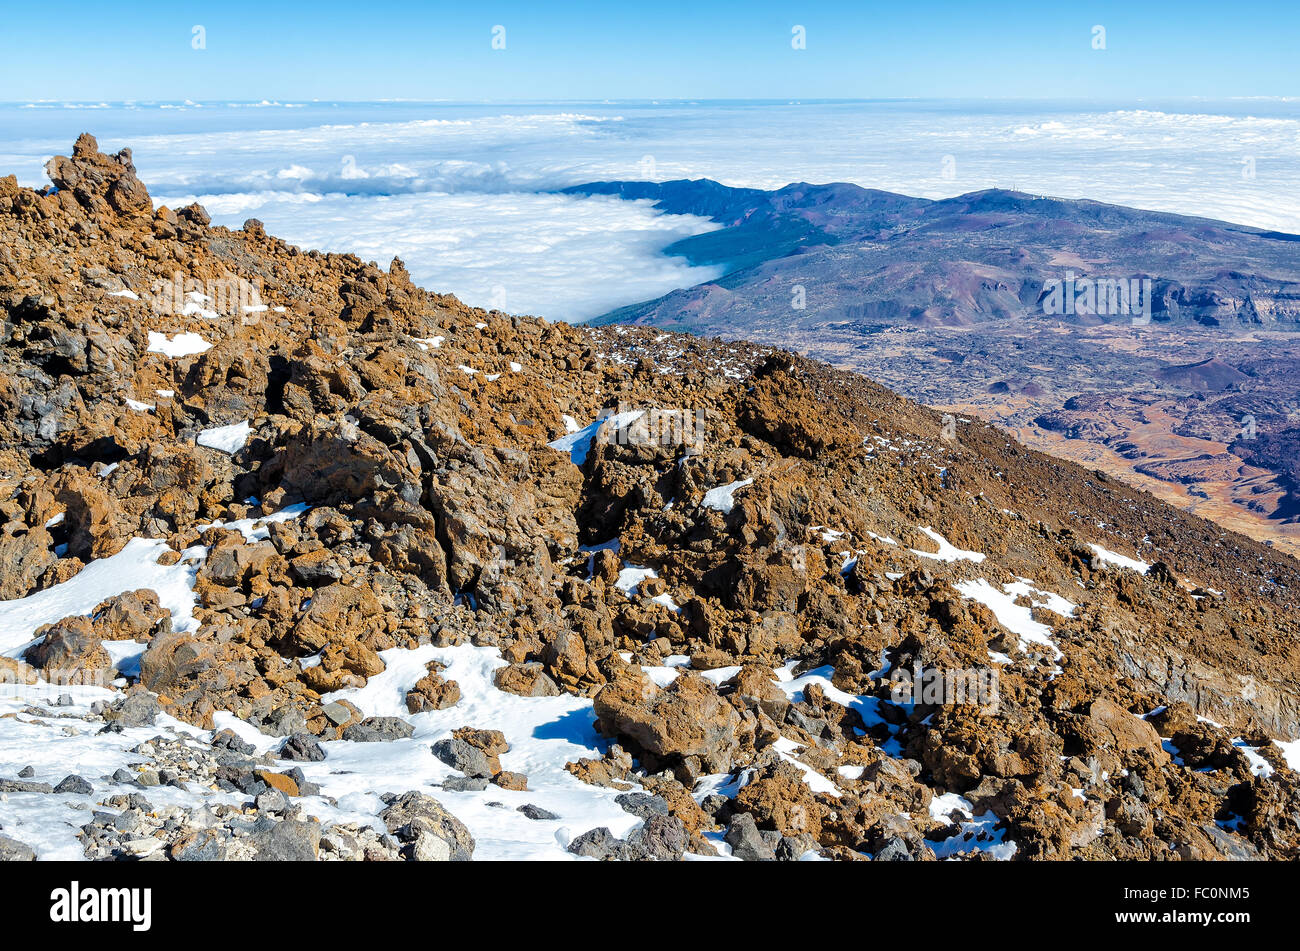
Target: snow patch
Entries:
(1111, 558)
(1017, 619)
(227, 439)
(946, 552)
(723, 498)
(577, 443)
(181, 345)
(134, 567)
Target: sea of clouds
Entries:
(463, 192)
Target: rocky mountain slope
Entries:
(345, 569)
(878, 258)
(952, 303)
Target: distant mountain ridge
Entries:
(872, 257)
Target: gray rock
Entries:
(813, 726)
(304, 788)
(75, 784)
(659, 839)
(273, 800)
(745, 840)
(1230, 845)
(460, 755)
(21, 785)
(792, 847)
(599, 844)
(643, 805)
(121, 775)
(379, 730)
(536, 812)
(285, 720)
(417, 819)
(27, 772)
(302, 747)
(290, 841)
(202, 846)
(465, 784)
(717, 806)
(138, 708)
(337, 713)
(11, 850)
(894, 850)
(229, 740)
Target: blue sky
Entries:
(571, 50)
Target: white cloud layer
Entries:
(453, 189)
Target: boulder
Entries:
(429, 831)
(685, 719)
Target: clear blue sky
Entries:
(649, 49)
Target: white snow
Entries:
(195, 306)
(977, 833)
(577, 443)
(631, 576)
(256, 529)
(55, 747)
(723, 498)
(1110, 557)
(666, 600)
(1015, 618)
(1040, 598)
(868, 707)
(544, 734)
(129, 295)
(138, 406)
(946, 552)
(812, 779)
(1290, 752)
(227, 439)
(181, 345)
(135, 566)
(1258, 765)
